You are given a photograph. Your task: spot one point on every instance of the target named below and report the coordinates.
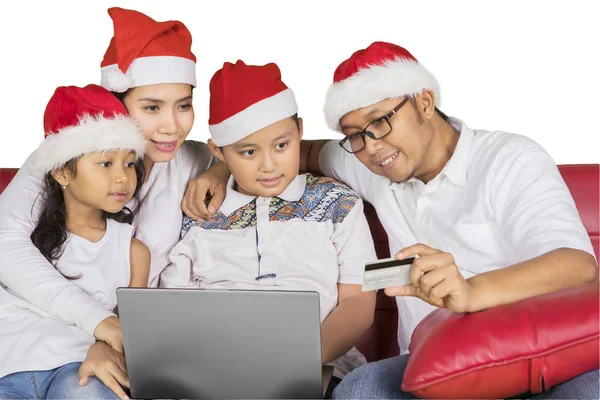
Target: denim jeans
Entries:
(58, 383)
(382, 380)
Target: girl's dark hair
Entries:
(50, 232)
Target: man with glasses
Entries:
(488, 213)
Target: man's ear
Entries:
(62, 176)
(215, 150)
(300, 127)
(426, 104)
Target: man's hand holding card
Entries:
(424, 272)
(389, 272)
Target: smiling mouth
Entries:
(270, 181)
(388, 160)
(119, 195)
(165, 146)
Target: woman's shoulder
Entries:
(192, 159)
(194, 153)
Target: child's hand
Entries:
(108, 366)
(109, 331)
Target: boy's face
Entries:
(267, 161)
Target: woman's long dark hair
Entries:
(50, 232)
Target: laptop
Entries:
(194, 344)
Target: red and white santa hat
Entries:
(79, 121)
(246, 98)
(381, 71)
(145, 52)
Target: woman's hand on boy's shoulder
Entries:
(108, 366)
(211, 186)
(109, 331)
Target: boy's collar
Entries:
(234, 199)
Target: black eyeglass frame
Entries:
(365, 132)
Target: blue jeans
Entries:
(382, 380)
(58, 383)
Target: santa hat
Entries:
(246, 98)
(381, 71)
(79, 121)
(145, 52)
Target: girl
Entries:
(88, 161)
(152, 67)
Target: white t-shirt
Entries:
(33, 340)
(499, 200)
(28, 274)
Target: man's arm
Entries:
(537, 215)
(436, 279)
(347, 322)
(534, 210)
(556, 270)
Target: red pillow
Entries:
(527, 346)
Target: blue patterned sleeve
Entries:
(187, 224)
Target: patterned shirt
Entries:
(311, 237)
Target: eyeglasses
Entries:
(376, 129)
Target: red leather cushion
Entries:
(530, 345)
(584, 183)
(6, 175)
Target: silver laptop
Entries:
(193, 344)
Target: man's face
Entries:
(399, 155)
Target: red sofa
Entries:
(380, 340)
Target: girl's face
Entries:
(165, 116)
(102, 181)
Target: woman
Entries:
(150, 67)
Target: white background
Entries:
(529, 67)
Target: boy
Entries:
(299, 232)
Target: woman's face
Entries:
(165, 115)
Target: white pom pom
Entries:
(118, 81)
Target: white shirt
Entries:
(311, 237)
(499, 200)
(158, 222)
(30, 338)
(28, 274)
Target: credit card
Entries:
(387, 272)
